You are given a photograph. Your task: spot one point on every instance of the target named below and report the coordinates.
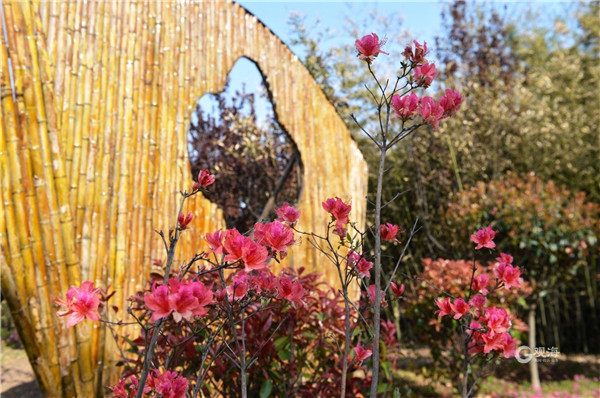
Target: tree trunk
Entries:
(533, 365)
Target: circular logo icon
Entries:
(524, 354)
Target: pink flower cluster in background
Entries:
(488, 326)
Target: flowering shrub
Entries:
(550, 230)
(205, 329)
(477, 308)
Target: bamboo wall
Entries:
(96, 102)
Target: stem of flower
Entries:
(377, 306)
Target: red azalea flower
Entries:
(460, 308)
(484, 238)
(431, 111)
(205, 178)
(184, 220)
(397, 290)
(369, 47)
(291, 291)
(406, 106)
(288, 213)
(389, 231)
(360, 354)
(215, 240)
(425, 74)
(81, 303)
(444, 307)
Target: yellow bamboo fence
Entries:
(96, 102)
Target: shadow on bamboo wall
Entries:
(96, 99)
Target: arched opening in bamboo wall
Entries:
(236, 133)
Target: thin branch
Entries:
(413, 231)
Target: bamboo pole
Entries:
(106, 91)
(54, 170)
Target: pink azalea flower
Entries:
(509, 346)
(505, 259)
(358, 263)
(234, 244)
(81, 303)
(168, 384)
(254, 256)
(477, 301)
(184, 220)
(381, 296)
(476, 345)
(369, 47)
(363, 267)
(493, 341)
(484, 238)
(182, 301)
(353, 258)
(275, 235)
(360, 354)
(444, 306)
(340, 230)
(205, 178)
(119, 391)
(158, 302)
(122, 390)
(460, 308)
(397, 290)
(496, 319)
(288, 213)
(425, 74)
(418, 57)
(215, 240)
(406, 106)
(338, 209)
(389, 231)
(238, 289)
(511, 276)
(431, 111)
(451, 102)
(291, 291)
(204, 297)
(480, 283)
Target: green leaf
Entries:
(284, 355)
(264, 302)
(266, 388)
(281, 342)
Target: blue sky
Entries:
(421, 18)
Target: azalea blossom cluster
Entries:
(339, 212)
(263, 283)
(270, 240)
(160, 384)
(408, 105)
(182, 299)
(487, 325)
